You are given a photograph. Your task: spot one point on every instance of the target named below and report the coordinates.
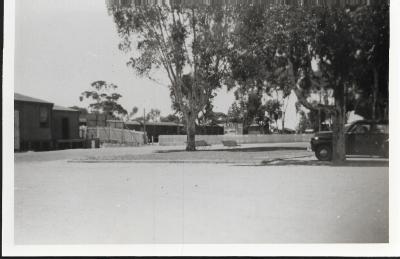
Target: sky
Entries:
(62, 46)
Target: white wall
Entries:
(178, 140)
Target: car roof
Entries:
(372, 121)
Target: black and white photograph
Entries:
(177, 125)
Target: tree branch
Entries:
(299, 92)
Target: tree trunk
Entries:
(338, 141)
(319, 120)
(375, 93)
(245, 126)
(190, 131)
(283, 122)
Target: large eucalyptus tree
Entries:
(186, 40)
(313, 50)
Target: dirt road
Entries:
(57, 202)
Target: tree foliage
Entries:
(133, 112)
(273, 108)
(312, 50)
(371, 34)
(153, 115)
(235, 113)
(336, 53)
(104, 99)
(171, 118)
(186, 41)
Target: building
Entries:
(155, 129)
(94, 119)
(32, 123)
(118, 124)
(65, 127)
(41, 125)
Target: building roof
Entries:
(24, 98)
(133, 123)
(163, 124)
(61, 108)
(153, 123)
(115, 121)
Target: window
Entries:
(362, 129)
(44, 117)
(381, 128)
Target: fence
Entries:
(113, 135)
(178, 140)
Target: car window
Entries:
(381, 128)
(361, 128)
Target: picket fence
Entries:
(114, 135)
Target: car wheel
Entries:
(324, 153)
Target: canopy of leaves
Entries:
(273, 109)
(104, 99)
(235, 113)
(188, 42)
(326, 49)
(171, 118)
(153, 115)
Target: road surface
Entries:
(59, 202)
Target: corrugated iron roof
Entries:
(133, 123)
(119, 121)
(154, 123)
(24, 98)
(61, 108)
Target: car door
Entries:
(379, 135)
(358, 142)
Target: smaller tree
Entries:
(171, 118)
(282, 94)
(105, 99)
(235, 113)
(253, 110)
(304, 122)
(133, 112)
(207, 115)
(153, 115)
(187, 41)
(220, 118)
(273, 109)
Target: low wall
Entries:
(179, 140)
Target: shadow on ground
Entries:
(237, 149)
(348, 163)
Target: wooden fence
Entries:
(113, 135)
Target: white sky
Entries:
(62, 46)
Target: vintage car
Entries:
(362, 138)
